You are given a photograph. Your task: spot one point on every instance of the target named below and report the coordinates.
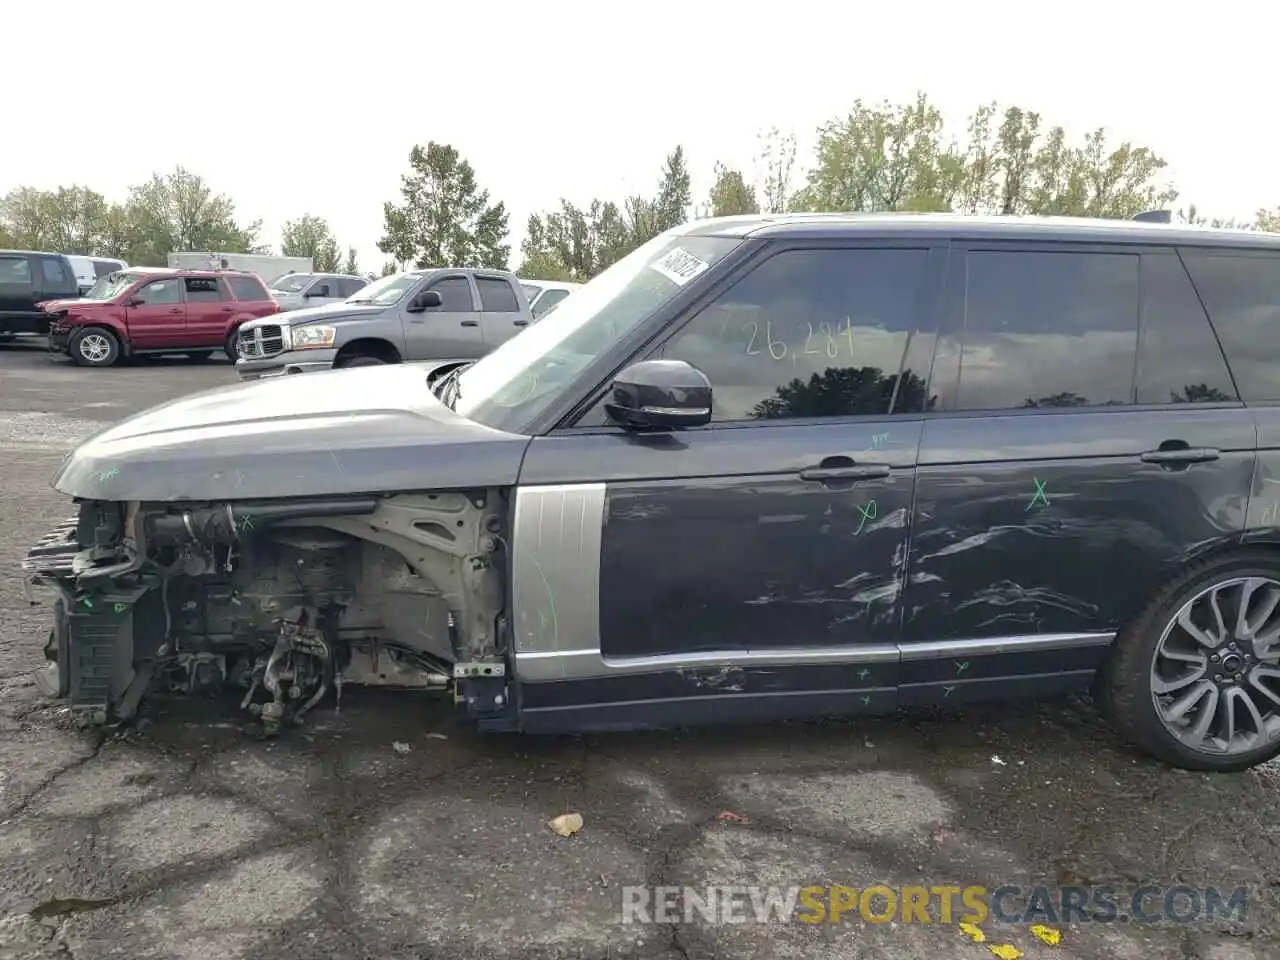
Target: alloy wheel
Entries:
(1215, 676)
(94, 347)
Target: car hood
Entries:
(334, 311)
(79, 303)
(362, 430)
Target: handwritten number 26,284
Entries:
(826, 340)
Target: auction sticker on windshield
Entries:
(679, 266)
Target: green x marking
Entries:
(1039, 496)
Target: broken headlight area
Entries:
(284, 600)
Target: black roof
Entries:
(829, 226)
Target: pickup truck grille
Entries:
(257, 342)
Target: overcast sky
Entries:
(303, 107)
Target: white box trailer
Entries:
(267, 267)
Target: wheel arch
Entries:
(378, 347)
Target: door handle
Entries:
(226, 309)
(521, 323)
(1181, 455)
(176, 310)
(471, 323)
(842, 468)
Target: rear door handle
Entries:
(521, 323)
(176, 311)
(471, 323)
(1182, 455)
(852, 471)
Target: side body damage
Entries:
(287, 600)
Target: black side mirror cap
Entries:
(425, 301)
(660, 395)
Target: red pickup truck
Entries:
(148, 310)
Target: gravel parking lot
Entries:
(183, 838)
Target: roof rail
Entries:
(1155, 216)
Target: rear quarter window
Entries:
(1241, 292)
(248, 288)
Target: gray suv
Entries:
(437, 314)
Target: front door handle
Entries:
(176, 310)
(471, 323)
(521, 323)
(1181, 455)
(841, 468)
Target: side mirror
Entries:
(425, 301)
(660, 395)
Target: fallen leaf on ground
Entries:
(1045, 934)
(567, 824)
(399, 747)
(436, 736)
(732, 817)
(973, 932)
(1005, 951)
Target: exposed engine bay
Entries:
(285, 600)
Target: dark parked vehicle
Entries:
(785, 467)
(28, 277)
(151, 310)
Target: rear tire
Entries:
(94, 347)
(360, 360)
(1191, 693)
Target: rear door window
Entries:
(1179, 359)
(1048, 329)
(205, 290)
(1241, 291)
(56, 274)
(497, 295)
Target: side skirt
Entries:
(775, 685)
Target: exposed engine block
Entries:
(279, 600)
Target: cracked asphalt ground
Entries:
(183, 838)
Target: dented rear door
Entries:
(1087, 444)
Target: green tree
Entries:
(311, 237)
(899, 157)
(179, 212)
(731, 194)
(675, 194)
(777, 161)
(71, 219)
(574, 244)
(390, 268)
(445, 219)
(352, 265)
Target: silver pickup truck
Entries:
(447, 313)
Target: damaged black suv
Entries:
(763, 467)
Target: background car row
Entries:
(100, 311)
